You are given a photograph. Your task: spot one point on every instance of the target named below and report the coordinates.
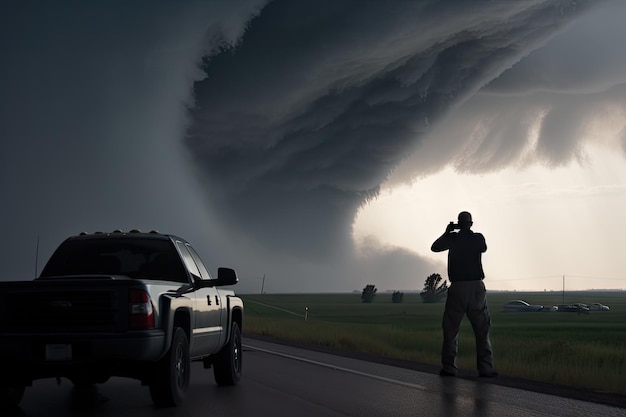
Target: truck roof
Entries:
(135, 233)
(133, 254)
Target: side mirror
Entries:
(225, 276)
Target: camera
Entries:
(454, 226)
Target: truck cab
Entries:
(138, 305)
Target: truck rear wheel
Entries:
(171, 377)
(227, 363)
(11, 395)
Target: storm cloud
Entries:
(298, 125)
(258, 129)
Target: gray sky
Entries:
(258, 129)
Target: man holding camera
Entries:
(466, 295)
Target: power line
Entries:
(555, 277)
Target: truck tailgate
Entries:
(88, 305)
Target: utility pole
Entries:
(563, 289)
(37, 257)
(263, 284)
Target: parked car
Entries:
(520, 305)
(574, 308)
(598, 307)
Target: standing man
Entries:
(466, 295)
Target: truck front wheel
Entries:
(171, 374)
(227, 363)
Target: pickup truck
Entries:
(136, 305)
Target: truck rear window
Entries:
(135, 258)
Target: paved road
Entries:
(286, 381)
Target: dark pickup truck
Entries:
(137, 305)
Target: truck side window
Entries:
(199, 263)
(189, 262)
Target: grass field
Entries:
(583, 351)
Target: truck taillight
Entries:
(141, 313)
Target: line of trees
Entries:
(435, 291)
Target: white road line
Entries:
(338, 368)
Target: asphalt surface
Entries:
(282, 380)
(503, 380)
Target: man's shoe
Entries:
(491, 374)
(443, 372)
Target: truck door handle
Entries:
(208, 299)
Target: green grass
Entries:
(584, 351)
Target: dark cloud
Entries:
(92, 115)
(301, 111)
(297, 125)
(540, 110)
(582, 60)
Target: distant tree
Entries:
(397, 296)
(368, 294)
(434, 289)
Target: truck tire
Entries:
(171, 374)
(227, 363)
(11, 395)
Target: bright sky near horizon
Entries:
(541, 224)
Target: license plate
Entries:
(58, 352)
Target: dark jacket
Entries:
(464, 254)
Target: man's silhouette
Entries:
(466, 295)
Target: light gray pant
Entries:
(466, 298)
